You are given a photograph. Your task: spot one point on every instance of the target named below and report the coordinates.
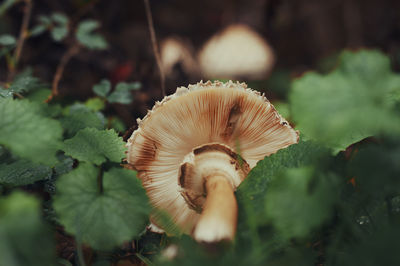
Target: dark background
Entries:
(303, 33)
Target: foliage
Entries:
(24, 238)
(23, 172)
(86, 36)
(36, 139)
(254, 189)
(80, 117)
(351, 103)
(102, 217)
(57, 23)
(121, 94)
(95, 146)
(27, 133)
(6, 4)
(7, 39)
(331, 199)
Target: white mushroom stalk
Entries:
(209, 177)
(186, 152)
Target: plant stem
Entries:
(155, 45)
(23, 33)
(73, 50)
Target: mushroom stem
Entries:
(209, 177)
(218, 219)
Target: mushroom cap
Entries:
(226, 113)
(175, 50)
(237, 51)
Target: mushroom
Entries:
(175, 51)
(195, 147)
(236, 52)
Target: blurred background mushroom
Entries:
(304, 34)
(177, 56)
(237, 52)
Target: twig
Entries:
(23, 33)
(155, 45)
(73, 50)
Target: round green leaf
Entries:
(101, 219)
(102, 88)
(27, 133)
(96, 146)
(351, 103)
(24, 238)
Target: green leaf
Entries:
(45, 20)
(39, 95)
(376, 169)
(95, 104)
(298, 201)
(38, 29)
(60, 18)
(295, 256)
(124, 86)
(80, 119)
(122, 93)
(377, 248)
(283, 109)
(117, 124)
(5, 156)
(24, 238)
(57, 23)
(64, 165)
(7, 40)
(27, 133)
(60, 30)
(103, 88)
(59, 33)
(75, 107)
(6, 5)
(88, 38)
(95, 146)
(251, 194)
(101, 219)
(49, 110)
(123, 97)
(349, 104)
(25, 82)
(88, 26)
(23, 172)
(6, 93)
